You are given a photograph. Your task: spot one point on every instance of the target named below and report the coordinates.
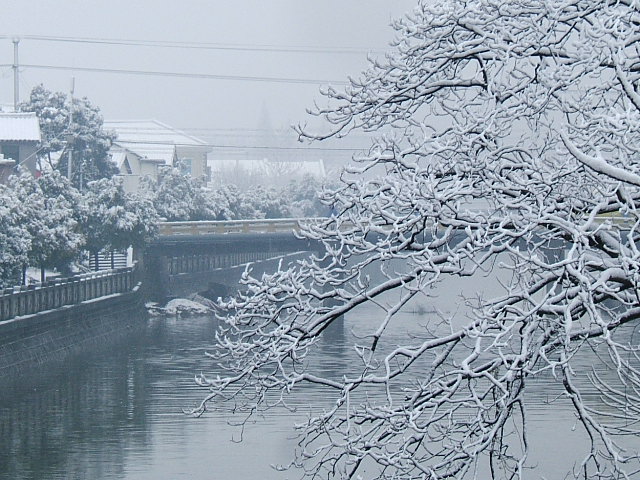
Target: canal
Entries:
(117, 413)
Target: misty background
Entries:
(235, 74)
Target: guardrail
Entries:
(616, 218)
(56, 293)
(276, 225)
(289, 225)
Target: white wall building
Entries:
(19, 140)
(143, 147)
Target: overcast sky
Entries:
(282, 39)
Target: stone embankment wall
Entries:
(51, 321)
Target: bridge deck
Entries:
(277, 225)
(199, 231)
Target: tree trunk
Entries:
(113, 265)
(42, 274)
(96, 260)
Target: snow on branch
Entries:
(463, 208)
(599, 164)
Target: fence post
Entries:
(31, 300)
(12, 304)
(7, 301)
(75, 286)
(82, 289)
(22, 301)
(65, 291)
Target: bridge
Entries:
(187, 257)
(49, 321)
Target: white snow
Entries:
(178, 306)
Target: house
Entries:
(19, 140)
(145, 147)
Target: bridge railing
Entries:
(286, 225)
(56, 293)
(276, 225)
(209, 262)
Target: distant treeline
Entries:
(178, 197)
(47, 223)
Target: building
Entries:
(19, 140)
(145, 147)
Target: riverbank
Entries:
(29, 341)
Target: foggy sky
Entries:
(190, 103)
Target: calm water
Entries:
(117, 413)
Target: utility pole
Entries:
(70, 133)
(16, 83)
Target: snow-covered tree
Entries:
(217, 204)
(52, 110)
(305, 196)
(113, 219)
(48, 207)
(267, 202)
(88, 141)
(175, 196)
(508, 146)
(231, 203)
(15, 241)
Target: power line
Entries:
(158, 144)
(286, 133)
(198, 45)
(208, 76)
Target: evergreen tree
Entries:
(15, 240)
(176, 197)
(81, 133)
(113, 219)
(49, 217)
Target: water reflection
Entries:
(117, 414)
(54, 424)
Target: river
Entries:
(117, 413)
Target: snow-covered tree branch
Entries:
(508, 135)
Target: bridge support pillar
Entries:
(156, 278)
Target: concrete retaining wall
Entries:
(31, 340)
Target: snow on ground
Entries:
(178, 306)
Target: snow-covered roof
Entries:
(151, 139)
(151, 151)
(19, 127)
(118, 157)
